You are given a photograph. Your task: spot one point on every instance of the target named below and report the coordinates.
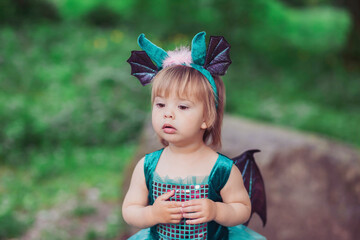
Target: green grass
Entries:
(51, 175)
(54, 177)
(12, 225)
(84, 210)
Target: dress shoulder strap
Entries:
(219, 176)
(150, 163)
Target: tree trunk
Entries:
(351, 51)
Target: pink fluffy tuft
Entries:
(180, 56)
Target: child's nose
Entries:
(169, 114)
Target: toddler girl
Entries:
(186, 190)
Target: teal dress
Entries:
(192, 187)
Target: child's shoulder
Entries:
(139, 165)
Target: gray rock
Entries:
(312, 183)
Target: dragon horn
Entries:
(154, 52)
(198, 49)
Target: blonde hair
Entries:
(189, 82)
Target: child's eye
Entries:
(160, 105)
(183, 107)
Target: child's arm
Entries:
(136, 210)
(236, 202)
(234, 210)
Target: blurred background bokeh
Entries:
(71, 113)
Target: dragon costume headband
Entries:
(214, 61)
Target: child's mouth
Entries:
(168, 128)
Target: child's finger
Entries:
(176, 216)
(166, 195)
(175, 221)
(192, 215)
(176, 210)
(196, 221)
(191, 202)
(172, 204)
(195, 208)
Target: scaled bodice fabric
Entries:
(185, 189)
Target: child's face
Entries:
(178, 121)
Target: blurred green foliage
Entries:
(69, 83)
(307, 3)
(63, 85)
(71, 114)
(17, 12)
(11, 225)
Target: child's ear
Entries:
(204, 125)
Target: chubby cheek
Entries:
(155, 120)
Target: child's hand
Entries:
(199, 210)
(167, 211)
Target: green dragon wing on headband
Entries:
(214, 61)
